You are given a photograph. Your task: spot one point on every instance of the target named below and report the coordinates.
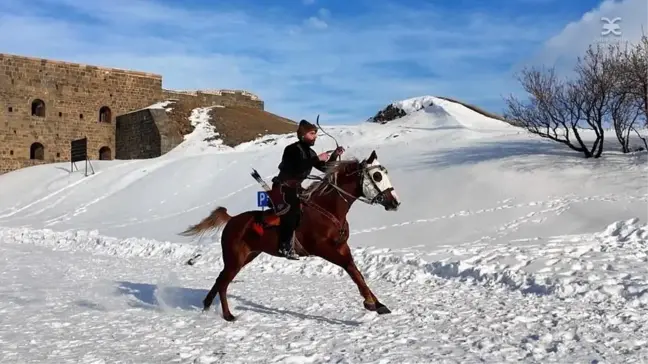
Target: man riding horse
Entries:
(296, 164)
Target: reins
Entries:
(340, 190)
(327, 183)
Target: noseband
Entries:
(380, 196)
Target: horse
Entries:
(323, 230)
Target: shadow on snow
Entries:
(498, 150)
(543, 151)
(148, 296)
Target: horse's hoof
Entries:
(370, 306)
(229, 317)
(206, 306)
(192, 260)
(381, 310)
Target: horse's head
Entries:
(375, 184)
(365, 180)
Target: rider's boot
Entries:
(288, 224)
(287, 248)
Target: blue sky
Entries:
(344, 60)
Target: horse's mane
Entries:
(335, 167)
(332, 170)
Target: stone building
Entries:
(45, 104)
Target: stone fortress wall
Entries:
(45, 104)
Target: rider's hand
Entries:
(324, 156)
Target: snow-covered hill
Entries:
(506, 248)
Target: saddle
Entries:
(271, 217)
(264, 220)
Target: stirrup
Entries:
(288, 254)
(283, 210)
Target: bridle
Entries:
(366, 180)
(346, 196)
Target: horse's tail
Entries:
(216, 220)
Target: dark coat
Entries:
(298, 161)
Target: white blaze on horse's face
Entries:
(376, 185)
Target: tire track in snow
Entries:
(115, 188)
(47, 197)
(124, 181)
(67, 187)
(180, 213)
(207, 204)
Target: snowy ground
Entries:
(76, 298)
(506, 249)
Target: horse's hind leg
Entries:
(234, 262)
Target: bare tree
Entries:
(635, 68)
(624, 106)
(642, 138)
(628, 104)
(561, 110)
(548, 114)
(624, 114)
(597, 80)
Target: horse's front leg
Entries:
(371, 302)
(340, 255)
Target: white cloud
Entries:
(347, 72)
(324, 13)
(563, 49)
(316, 22)
(319, 22)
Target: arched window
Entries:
(37, 151)
(105, 154)
(38, 108)
(105, 115)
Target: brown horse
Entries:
(323, 230)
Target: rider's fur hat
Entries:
(305, 127)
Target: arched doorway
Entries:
(37, 151)
(105, 154)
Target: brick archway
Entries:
(105, 154)
(37, 151)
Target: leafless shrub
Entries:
(558, 108)
(634, 64)
(609, 87)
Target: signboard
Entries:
(79, 150)
(79, 153)
(263, 200)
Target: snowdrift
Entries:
(604, 266)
